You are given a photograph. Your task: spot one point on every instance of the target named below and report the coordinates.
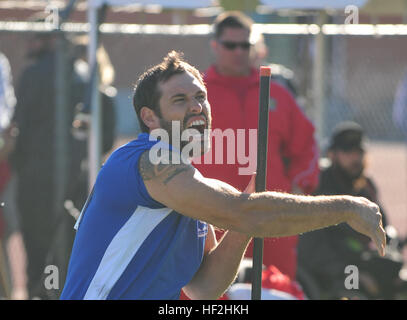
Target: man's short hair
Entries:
(231, 19)
(147, 92)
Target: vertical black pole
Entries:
(262, 135)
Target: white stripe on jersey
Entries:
(122, 249)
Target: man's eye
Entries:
(201, 98)
(179, 100)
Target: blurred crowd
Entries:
(311, 266)
(36, 231)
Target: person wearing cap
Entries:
(346, 174)
(10, 230)
(326, 253)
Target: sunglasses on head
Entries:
(231, 45)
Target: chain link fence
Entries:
(360, 79)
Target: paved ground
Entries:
(387, 164)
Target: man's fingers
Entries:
(251, 187)
(380, 233)
(380, 240)
(382, 237)
(383, 233)
(371, 224)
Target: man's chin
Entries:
(197, 146)
(350, 174)
(355, 173)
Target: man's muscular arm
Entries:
(164, 172)
(266, 214)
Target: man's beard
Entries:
(204, 137)
(350, 176)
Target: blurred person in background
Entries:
(325, 254)
(78, 187)
(34, 156)
(233, 87)
(279, 73)
(9, 219)
(35, 153)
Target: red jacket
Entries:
(292, 150)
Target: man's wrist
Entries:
(347, 208)
(238, 238)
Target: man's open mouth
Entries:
(198, 124)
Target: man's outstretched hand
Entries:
(367, 219)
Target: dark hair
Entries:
(147, 92)
(231, 19)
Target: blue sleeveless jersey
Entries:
(127, 245)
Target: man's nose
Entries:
(196, 106)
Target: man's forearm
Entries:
(219, 267)
(272, 214)
(267, 214)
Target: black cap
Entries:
(347, 136)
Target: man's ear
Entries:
(149, 118)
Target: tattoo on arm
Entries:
(165, 172)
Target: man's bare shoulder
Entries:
(161, 172)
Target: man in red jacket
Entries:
(233, 89)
